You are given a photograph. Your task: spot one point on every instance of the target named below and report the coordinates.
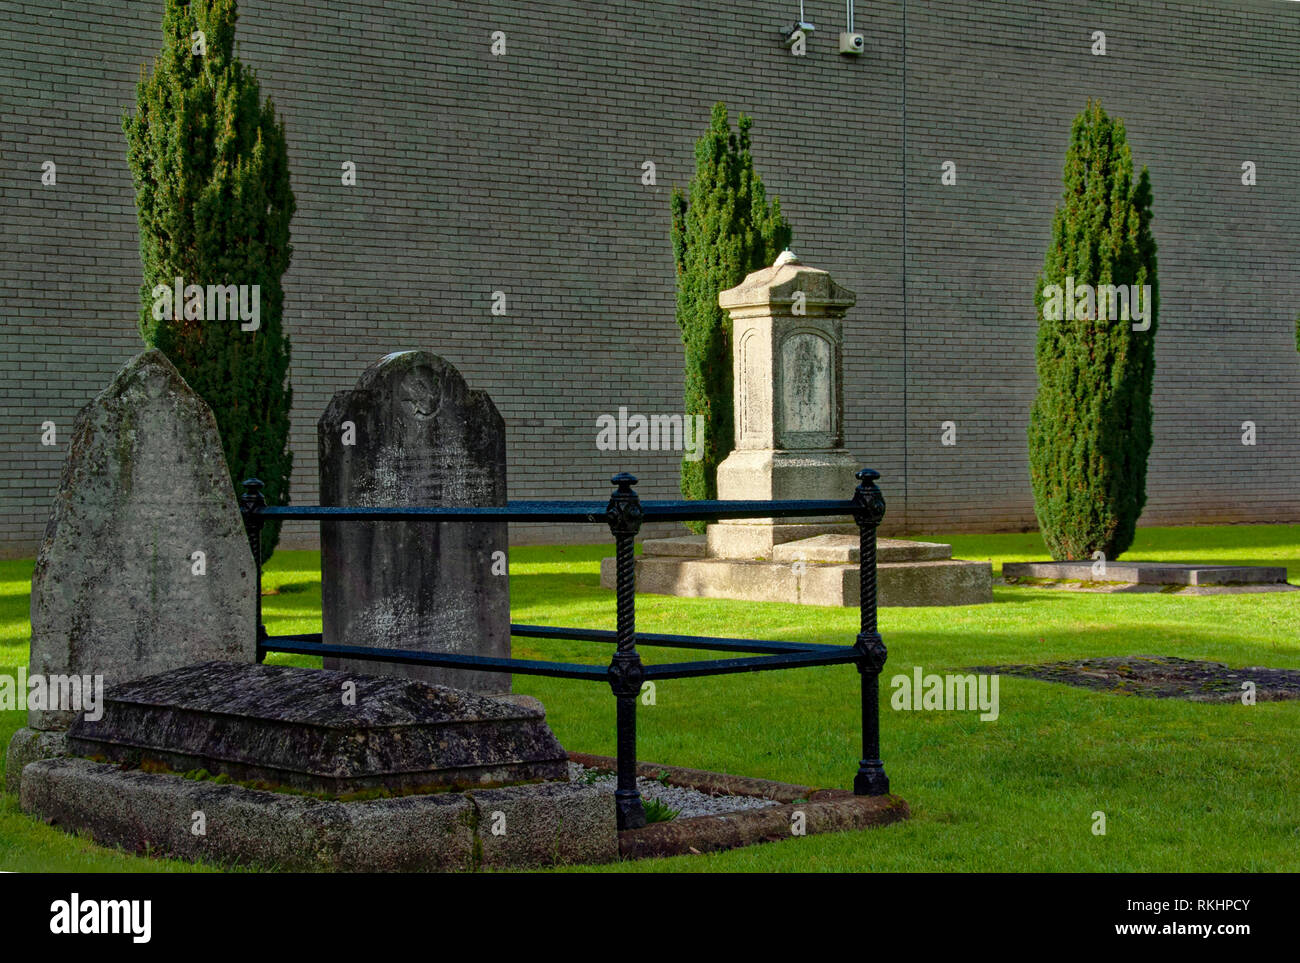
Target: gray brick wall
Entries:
(523, 174)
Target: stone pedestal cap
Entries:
(773, 290)
(787, 337)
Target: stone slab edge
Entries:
(134, 810)
(825, 811)
(1149, 573)
(30, 745)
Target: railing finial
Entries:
(252, 497)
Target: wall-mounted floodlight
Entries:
(791, 33)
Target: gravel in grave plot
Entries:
(687, 802)
(1161, 677)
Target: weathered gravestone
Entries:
(145, 565)
(411, 433)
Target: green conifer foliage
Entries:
(213, 204)
(1090, 425)
(722, 230)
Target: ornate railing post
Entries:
(625, 670)
(870, 509)
(249, 502)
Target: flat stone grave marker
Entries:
(1149, 573)
(1162, 677)
(322, 731)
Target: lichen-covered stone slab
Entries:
(411, 433)
(526, 826)
(118, 588)
(322, 731)
(27, 746)
(156, 813)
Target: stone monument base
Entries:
(305, 769)
(724, 564)
(767, 474)
(540, 824)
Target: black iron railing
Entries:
(625, 513)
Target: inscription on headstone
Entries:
(807, 382)
(420, 437)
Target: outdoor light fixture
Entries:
(850, 42)
(791, 33)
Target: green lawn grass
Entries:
(1184, 786)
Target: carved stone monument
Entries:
(787, 324)
(411, 433)
(788, 332)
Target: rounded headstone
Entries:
(411, 433)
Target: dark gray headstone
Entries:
(420, 437)
(322, 731)
(118, 590)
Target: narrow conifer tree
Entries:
(1090, 425)
(213, 203)
(721, 231)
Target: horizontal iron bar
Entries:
(675, 641)
(562, 511)
(682, 511)
(687, 670)
(642, 638)
(555, 511)
(560, 670)
(822, 655)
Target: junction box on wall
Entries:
(850, 42)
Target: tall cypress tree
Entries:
(724, 230)
(1090, 425)
(213, 203)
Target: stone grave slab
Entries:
(1163, 677)
(321, 731)
(1149, 573)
